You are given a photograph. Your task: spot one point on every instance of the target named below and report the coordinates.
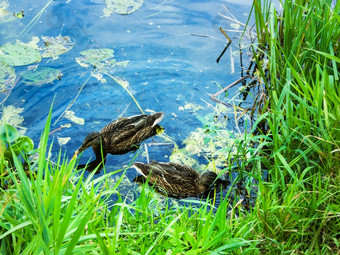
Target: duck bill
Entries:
(75, 155)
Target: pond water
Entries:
(171, 46)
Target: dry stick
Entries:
(226, 104)
(232, 65)
(158, 144)
(69, 106)
(241, 60)
(35, 19)
(224, 50)
(226, 47)
(120, 115)
(203, 35)
(55, 130)
(225, 34)
(231, 85)
(233, 18)
(147, 153)
(126, 89)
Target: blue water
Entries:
(172, 47)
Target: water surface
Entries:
(171, 46)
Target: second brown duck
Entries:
(175, 179)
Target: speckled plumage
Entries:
(176, 179)
(121, 136)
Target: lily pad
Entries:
(7, 77)
(70, 115)
(55, 46)
(12, 117)
(40, 76)
(63, 140)
(18, 54)
(121, 6)
(94, 57)
(32, 44)
(102, 60)
(8, 133)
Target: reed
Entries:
(297, 209)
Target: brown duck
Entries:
(175, 179)
(121, 136)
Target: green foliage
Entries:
(59, 210)
(297, 206)
(292, 165)
(11, 142)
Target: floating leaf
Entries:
(55, 46)
(121, 6)
(12, 117)
(6, 16)
(32, 44)
(7, 77)
(191, 106)
(40, 76)
(63, 140)
(70, 116)
(8, 133)
(18, 54)
(102, 61)
(94, 57)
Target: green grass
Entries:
(55, 209)
(299, 205)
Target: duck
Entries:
(175, 180)
(119, 137)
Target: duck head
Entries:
(207, 179)
(93, 139)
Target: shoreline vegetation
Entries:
(290, 160)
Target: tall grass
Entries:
(298, 208)
(55, 209)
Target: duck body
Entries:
(122, 135)
(126, 134)
(175, 179)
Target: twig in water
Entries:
(10, 90)
(35, 19)
(69, 106)
(212, 97)
(124, 110)
(231, 85)
(127, 90)
(226, 47)
(232, 65)
(158, 144)
(55, 130)
(147, 153)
